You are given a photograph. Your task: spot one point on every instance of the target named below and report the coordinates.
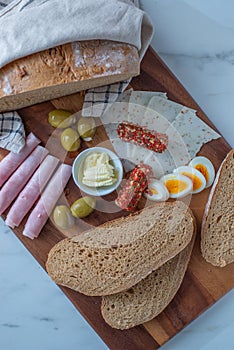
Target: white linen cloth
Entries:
(98, 99)
(29, 26)
(24, 22)
(12, 133)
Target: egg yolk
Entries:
(153, 191)
(197, 183)
(203, 170)
(176, 186)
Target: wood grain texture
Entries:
(203, 283)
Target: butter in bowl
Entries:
(97, 171)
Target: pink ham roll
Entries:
(18, 180)
(47, 202)
(11, 162)
(31, 191)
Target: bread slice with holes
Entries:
(217, 235)
(115, 256)
(150, 296)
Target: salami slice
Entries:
(141, 136)
(134, 188)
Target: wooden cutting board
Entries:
(203, 283)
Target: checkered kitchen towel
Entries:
(12, 134)
(97, 99)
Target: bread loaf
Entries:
(115, 256)
(64, 70)
(149, 297)
(217, 235)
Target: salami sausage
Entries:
(134, 188)
(141, 136)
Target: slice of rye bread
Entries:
(115, 256)
(149, 297)
(217, 234)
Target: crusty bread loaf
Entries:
(217, 234)
(115, 256)
(150, 296)
(64, 70)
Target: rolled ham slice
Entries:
(31, 192)
(47, 202)
(18, 180)
(11, 162)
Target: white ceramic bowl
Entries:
(77, 172)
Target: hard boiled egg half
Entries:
(177, 185)
(198, 180)
(157, 191)
(205, 167)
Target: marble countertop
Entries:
(195, 39)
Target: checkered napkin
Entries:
(4, 3)
(97, 99)
(12, 134)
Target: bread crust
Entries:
(213, 252)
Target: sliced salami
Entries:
(134, 188)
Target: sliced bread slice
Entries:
(217, 234)
(149, 297)
(115, 256)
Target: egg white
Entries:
(162, 194)
(179, 178)
(206, 163)
(194, 173)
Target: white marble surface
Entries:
(195, 39)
